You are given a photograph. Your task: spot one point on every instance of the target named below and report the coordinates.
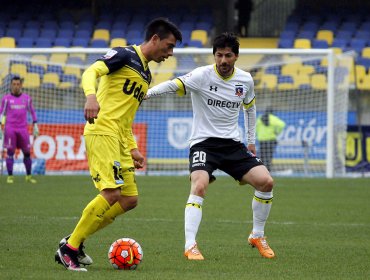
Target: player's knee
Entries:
(267, 185)
(199, 189)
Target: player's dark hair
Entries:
(226, 40)
(16, 78)
(163, 28)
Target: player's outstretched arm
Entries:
(168, 87)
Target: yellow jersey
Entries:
(125, 78)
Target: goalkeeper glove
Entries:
(35, 130)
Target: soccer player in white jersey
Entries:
(218, 92)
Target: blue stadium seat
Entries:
(340, 43)
(365, 61)
(43, 42)
(15, 24)
(39, 69)
(118, 33)
(83, 34)
(343, 34)
(50, 25)
(62, 42)
(319, 44)
(31, 32)
(306, 34)
(362, 34)
(80, 42)
(98, 43)
(55, 69)
(25, 42)
(75, 60)
(286, 43)
(65, 33)
(48, 33)
(103, 24)
(66, 25)
(195, 44)
(287, 34)
(69, 78)
(13, 32)
(32, 24)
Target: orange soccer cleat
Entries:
(193, 253)
(263, 247)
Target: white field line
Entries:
(221, 221)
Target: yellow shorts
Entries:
(110, 164)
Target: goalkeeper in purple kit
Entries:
(14, 107)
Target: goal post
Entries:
(306, 88)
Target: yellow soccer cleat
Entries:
(31, 180)
(10, 179)
(263, 247)
(194, 254)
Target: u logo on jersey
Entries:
(129, 88)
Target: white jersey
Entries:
(217, 102)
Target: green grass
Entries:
(318, 228)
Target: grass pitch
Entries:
(318, 228)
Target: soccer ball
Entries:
(125, 253)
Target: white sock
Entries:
(193, 217)
(261, 206)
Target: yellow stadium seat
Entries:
(7, 42)
(326, 35)
(306, 69)
(58, 58)
(366, 52)
(18, 69)
(70, 70)
(302, 43)
(200, 35)
(101, 34)
(118, 42)
(337, 51)
(301, 80)
(318, 81)
(286, 86)
(268, 81)
(32, 80)
(40, 59)
(364, 83)
(51, 78)
(291, 69)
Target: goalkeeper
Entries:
(14, 107)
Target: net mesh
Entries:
(294, 85)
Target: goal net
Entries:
(307, 89)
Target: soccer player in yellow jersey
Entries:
(112, 151)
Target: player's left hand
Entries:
(35, 130)
(138, 158)
(252, 149)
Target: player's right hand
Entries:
(92, 108)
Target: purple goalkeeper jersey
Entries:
(15, 109)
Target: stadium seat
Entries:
(306, 34)
(286, 43)
(200, 35)
(40, 60)
(195, 44)
(68, 81)
(12, 32)
(62, 42)
(326, 35)
(65, 33)
(31, 33)
(300, 80)
(48, 33)
(25, 42)
(7, 42)
(43, 42)
(318, 81)
(319, 44)
(101, 34)
(364, 83)
(118, 33)
(58, 58)
(36, 69)
(302, 43)
(366, 52)
(268, 81)
(72, 70)
(98, 43)
(32, 80)
(118, 42)
(18, 69)
(50, 80)
(80, 42)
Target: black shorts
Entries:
(227, 155)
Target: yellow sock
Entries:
(109, 216)
(92, 216)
